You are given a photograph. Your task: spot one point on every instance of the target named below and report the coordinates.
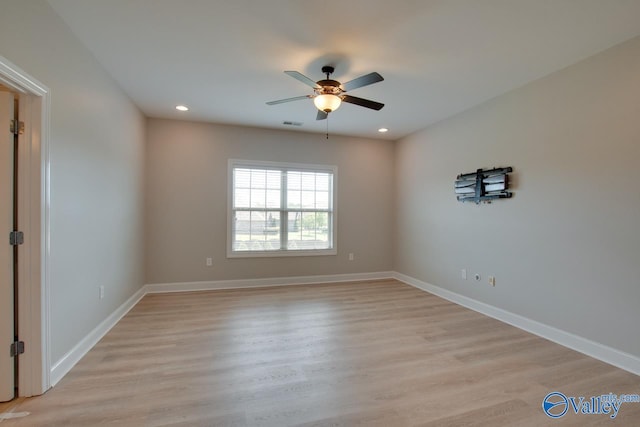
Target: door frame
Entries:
(34, 373)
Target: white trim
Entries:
(261, 283)
(607, 354)
(73, 356)
(307, 167)
(13, 76)
(34, 304)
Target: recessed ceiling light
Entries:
(383, 130)
(182, 108)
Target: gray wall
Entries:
(566, 249)
(97, 159)
(186, 200)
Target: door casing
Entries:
(7, 291)
(33, 217)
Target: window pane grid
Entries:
(256, 231)
(281, 210)
(308, 230)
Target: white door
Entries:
(7, 366)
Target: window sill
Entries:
(281, 254)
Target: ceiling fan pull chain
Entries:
(328, 125)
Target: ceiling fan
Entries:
(329, 94)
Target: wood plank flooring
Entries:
(377, 353)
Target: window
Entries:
(281, 209)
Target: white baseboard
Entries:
(260, 283)
(73, 356)
(607, 354)
(596, 350)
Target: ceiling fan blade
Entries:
(322, 115)
(281, 101)
(361, 81)
(362, 102)
(304, 79)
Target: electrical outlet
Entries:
(492, 280)
(101, 292)
(351, 256)
(209, 262)
(463, 273)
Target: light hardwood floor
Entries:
(377, 353)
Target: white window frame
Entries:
(281, 166)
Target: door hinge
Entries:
(16, 238)
(17, 348)
(16, 127)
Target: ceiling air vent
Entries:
(288, 123)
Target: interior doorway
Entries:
(8, 294)
(26, 166)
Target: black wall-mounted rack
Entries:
(483, 185)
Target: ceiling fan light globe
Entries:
(327, 103)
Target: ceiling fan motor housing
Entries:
(328, 87)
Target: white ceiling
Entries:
(225, 58)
